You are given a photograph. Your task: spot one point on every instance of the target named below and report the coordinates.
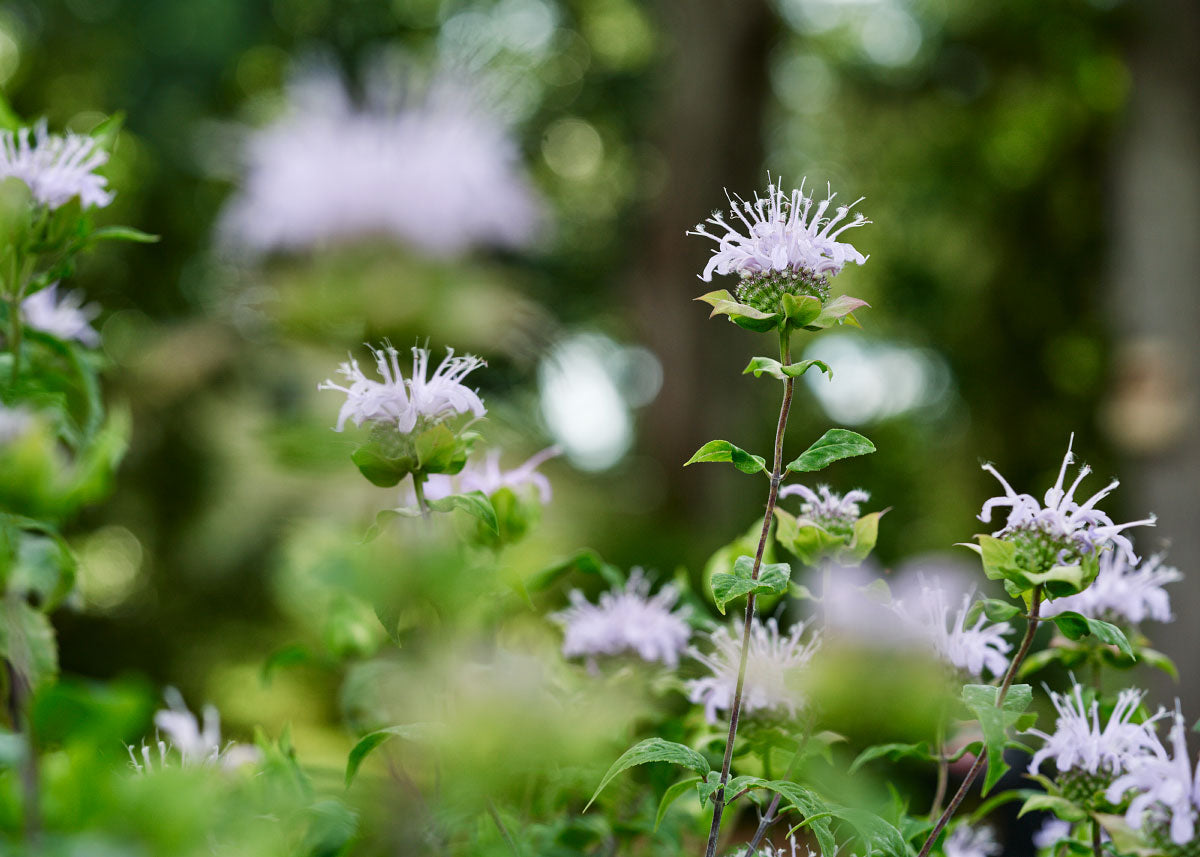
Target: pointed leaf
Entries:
(409, 732)
(1076, 626)
(832, 446)
(653, 750)
(723, 303)
(474, 503)
(772, 580)
(995, 721)
(800, 310)
(722, 451)
(838, 311)
(672, 794)
(894, 752)
(123, 233)
(759, 365)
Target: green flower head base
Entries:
(788, 247)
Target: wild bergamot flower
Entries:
(57, 168)
(1063, 532)
(1123, 591)
(772, 663)
(68, 318)
(402, 403)
(973, 648)
(626, 620)
(1088, 758)
(788, 247)
(1166, 793)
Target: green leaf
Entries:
(722, 451)
(672, 794)
(474, 503)
(653, 750)
(744, 315)
(806, 540)
(759, 365)
(995, 721)
(832, 446)
(379, 470)
(837, 311)
(409, 732)
(1076, 626)
(995, 610)
(723, 303)
(800, 310)
(772, 579)
(435, 449)
(894, 752)
(1158, 660)
(866, 534)
(1060, 806)
(288, 656)
(123, 233)
(816, 814)
(27, 641)
(999, 557)
(878, 834)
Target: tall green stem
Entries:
(981, 759)
(419, 490)
(14, 335)
(735, 709)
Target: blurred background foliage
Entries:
(984, 136)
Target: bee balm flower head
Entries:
(781, 244)
(57, 168)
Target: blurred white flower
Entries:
(826, 509)
(626, 620)
(57, 168)
(974, 649)
(1123, 590)
(968, 841)
(1052, 832)
(401, 402)
(782, 234)
(196, 744)
(1165, 788)
(1063, 525)
(68, 318)
(771, 667)
(794, 849)
(14, 422)
(1079, 744)
(442, 175)
(486, 476)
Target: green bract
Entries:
(1021, 572)
(795, 312)
(772, 580)
(812, 543)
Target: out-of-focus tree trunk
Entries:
(709, 135)
(1153, 414)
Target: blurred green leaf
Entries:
(360, 751)
(1075, 626)
(653, 750)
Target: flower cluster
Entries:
(195, 744)
(832, 512)
(788, 247)
(1062, 531)
(57, 168)
(1088, 757)
(401, 402)
(772, 663)
(1123, 591)
(67, 319)
(1167, 790)
(626, 620)
(972, 648)
(970, 841)
(441, 175)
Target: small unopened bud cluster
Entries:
(765, 290)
